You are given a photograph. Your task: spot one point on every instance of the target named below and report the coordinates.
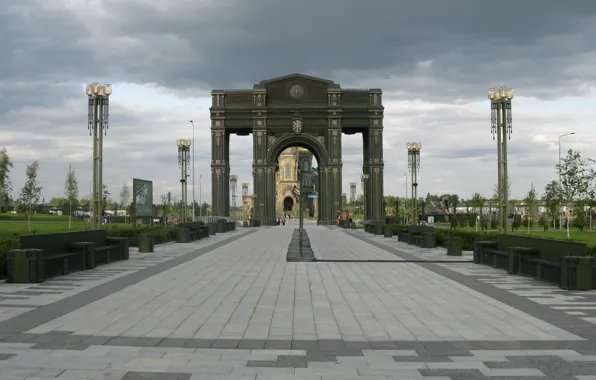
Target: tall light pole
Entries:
(193, 171)
(560, 211)
(500, 105)
(201, 195)
(183, 162)
(414, 166)
(98, 112)
(406, 201)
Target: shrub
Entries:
(468, 237)
(161, 234)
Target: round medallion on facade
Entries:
(296, 91)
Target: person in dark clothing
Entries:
(278, 221)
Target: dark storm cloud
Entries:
(534, 45)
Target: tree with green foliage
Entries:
(579, 215)
(454, 202)
(5, 184)
(531, 202)
(552, 200)
(477, 202)
(125, 199)
(591, 203)
(575, 181)
(543, 221)
(453, 222)
(31, 191)
(106, 200)
(71, 191)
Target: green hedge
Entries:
(161, 234)
(468, 237)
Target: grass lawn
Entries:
(35, 218)
(582, 236)
(588, 237)
(11, 224)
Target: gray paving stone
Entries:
(312, 320)
(252, 343)
(278, 344)
(133, 341)
(423, 358)
(278, 364)
(47, 313)
(155, 376)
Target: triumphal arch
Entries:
(303, 111)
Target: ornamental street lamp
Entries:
(561, 211)
(193, 171)
(98, 123)
(184, 163)
(364, 180)
(500, 105)
(414, 167)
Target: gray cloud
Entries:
(443, 54)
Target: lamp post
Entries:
(560, 211)
(201, 195)
(193, 170)
(500, 105)
(183, 162)
(406, 201)
(414, 166)
(98, 112)
(363, 180)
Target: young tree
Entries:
(454, 202)
(106, 196)
(531, 202)
(575, 181)
(71, 191)
(5, 184)
(552, 200)
(31, 191)
(477, 202)
(125, 199)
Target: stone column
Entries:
(365, 171)
(324, 194)
(375, 176)
(219, 173)
(219, 156)
(270, 203)
(334, 148)
(375, 158)
(260, 167)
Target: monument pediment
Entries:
(296, 88)
(294, 77)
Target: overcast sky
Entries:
(433, 59)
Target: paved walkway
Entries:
(230, 307)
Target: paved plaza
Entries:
(231, 307)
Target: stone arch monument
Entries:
(304, 111)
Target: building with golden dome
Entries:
(286, 179)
